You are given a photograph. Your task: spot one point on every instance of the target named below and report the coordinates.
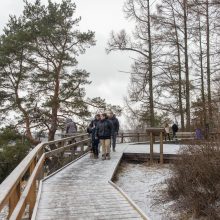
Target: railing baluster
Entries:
(82, 146)
(32, 198)
(122, 137)
(161, 147)
(151, 147)
(14, 198)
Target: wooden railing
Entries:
(19, 189)
(131, 136)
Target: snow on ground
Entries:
(4, 213)
(145, 185)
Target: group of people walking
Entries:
(104, 129)
(167, 131)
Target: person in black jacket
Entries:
(95, 141)
(115, 124)
(175, 129)
(104, 130)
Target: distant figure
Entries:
(174, 129)
(167, 132)
(70, 126)
(206, 131)
(95, 141)
(104, 131)
(115, 124)
(198, 134)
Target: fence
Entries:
(19, 189)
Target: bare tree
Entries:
(141, 44)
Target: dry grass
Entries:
(196, 180)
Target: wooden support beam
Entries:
(161, 147)
(151, 147)
(32, 198)
(14, 198)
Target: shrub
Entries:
(13, 148)
(196, 180)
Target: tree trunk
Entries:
(186, 67)
(151, 96)
(28, 133)
(202, 75)
(179, 74)
(208, 64)
(55, 107)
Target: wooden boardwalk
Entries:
(82, 191)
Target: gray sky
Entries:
(101, 16)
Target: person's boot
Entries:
(103, 156)
(114, 150)
(108, 156)
(97, 153)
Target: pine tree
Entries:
(47, 86)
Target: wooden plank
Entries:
(85, 182)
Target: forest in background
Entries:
(175, 73)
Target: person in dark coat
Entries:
(198, 134)
(104, 131)
(174, 129)
(95, 141)
(115, 124)
(70, 127)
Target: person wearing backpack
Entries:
(71, 127)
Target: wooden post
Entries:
(138, 137)
(82, 146)
(82, 149)
(161, 147)
(32, 195)
(122, 137)
(73, 152)
(32, 166)
(32, 198)
(13, 200)
(151, 147)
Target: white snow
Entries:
(4, 213)
(145, 185)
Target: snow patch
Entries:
(145, 184)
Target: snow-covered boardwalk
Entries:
(82, 191)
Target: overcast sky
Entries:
(101, 16)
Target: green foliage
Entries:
(39, 78)
(13, 148)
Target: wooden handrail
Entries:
(34, 162)
(13, 179)
(20, 208)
